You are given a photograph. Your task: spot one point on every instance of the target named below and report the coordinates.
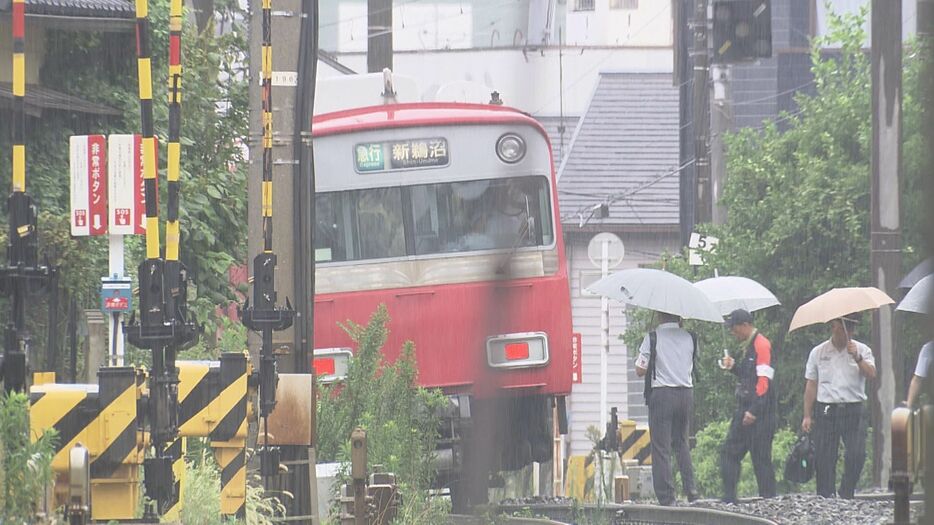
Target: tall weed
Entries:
(400, 418)
(26, 465)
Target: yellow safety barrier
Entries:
(579, 479)
(103, 418)
(213, 403)
(634, 442)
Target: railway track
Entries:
(792, 509)
(633, 514)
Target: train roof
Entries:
(418, 114)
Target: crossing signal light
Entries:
(742, 30)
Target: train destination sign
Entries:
(401, 154)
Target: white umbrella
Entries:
(658, 290)
(730, 293)
(917, 299)
(922, 270)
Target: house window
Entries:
(584, 5)
(624, 4)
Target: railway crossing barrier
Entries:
(108, 419)
(104, 418)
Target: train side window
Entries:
(379, 228)
(425, 218)
(363, 224)
(330, 228)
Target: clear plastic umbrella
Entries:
(731, 292)
(922, 270)
(660, 291)
(917, 299)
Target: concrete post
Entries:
(95, 346)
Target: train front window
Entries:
(429, 219)
(481, 215)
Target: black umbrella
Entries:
(917, 273)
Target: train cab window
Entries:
(361, 224)
(379, 223)
(481, 215)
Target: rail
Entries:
(635, 514)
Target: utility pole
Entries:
(721, 122)
(379, 35)
(885, 233)
(293, 43)
(703, 211)
(925, 17)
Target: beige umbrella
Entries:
(838, 303)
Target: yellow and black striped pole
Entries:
(264, 315)
(144, 67)
(174, 145)
(176, 307)
(154, 331)
(267, 125)
(23, 272)
(19, 95)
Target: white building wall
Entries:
(527, 80)
(649, 24)
(584, 402)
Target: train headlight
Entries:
(510, 148)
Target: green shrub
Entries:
(26, 466)
(400, 418)
(201, 503)
(706, 456)
(202, 497)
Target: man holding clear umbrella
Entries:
(666, 361)
(834, 395)
(753, 425)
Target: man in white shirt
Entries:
(921, 372)
(666, 360)
(834, 395)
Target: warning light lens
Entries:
(516, 351)
(324, 366)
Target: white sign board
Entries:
(615, 250)
(88, 174)
(700, 243)
(127, 214)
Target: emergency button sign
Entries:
(88, 155)
(127, 195)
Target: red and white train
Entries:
(447, 213)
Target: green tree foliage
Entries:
(400, 418)
(101, 67)
(26, 465)
(798, 217)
